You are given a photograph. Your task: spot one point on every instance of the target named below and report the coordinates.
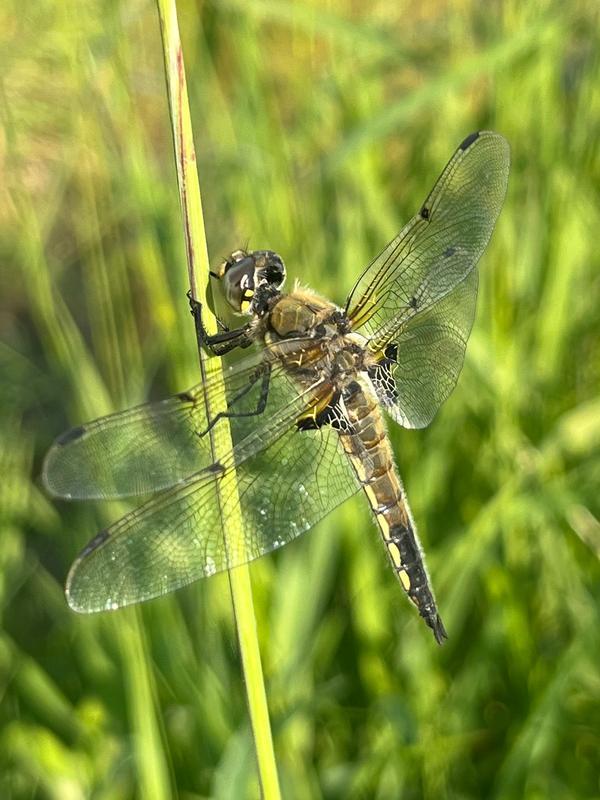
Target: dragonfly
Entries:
(304, 408)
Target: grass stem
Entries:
(198, 268)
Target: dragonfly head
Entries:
(251, 279)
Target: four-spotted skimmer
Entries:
(305, 408)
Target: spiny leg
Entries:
(264, 373)
(217, 344)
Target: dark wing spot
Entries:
(382, 376)
(185, 397)
(98, 540)
(70, 436)
(413, 303)
(466, 143)
(449, 252)
(332, 415)
(391, 351)
(307, 424)
(217, 468)
(424, 213)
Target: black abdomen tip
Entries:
(466, 143)
(437, 626)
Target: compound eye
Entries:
(272, 269)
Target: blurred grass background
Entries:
(319, 127)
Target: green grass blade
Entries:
(198, 268)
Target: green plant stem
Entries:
(198, 268)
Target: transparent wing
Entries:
(426, 357)
(156, 445)
(439, 246)
(177, 537)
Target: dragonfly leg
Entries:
(217, 344)
(222, 325)
(265, 374)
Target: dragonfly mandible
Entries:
(305, 408)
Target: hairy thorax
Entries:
(312, 337)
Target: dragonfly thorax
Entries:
(305, 313)
(313, 339)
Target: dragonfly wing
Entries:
(156, 445)
(178, 536)
(424, 360)
(440, 246)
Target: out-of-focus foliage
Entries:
(319, 128)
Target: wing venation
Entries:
(417, 298)
(178, 536)
(156, 445)
(438, 248)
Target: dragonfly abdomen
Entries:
(370, 452)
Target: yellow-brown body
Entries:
(336, 359)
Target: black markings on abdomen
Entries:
(407, 545)
(413, 577)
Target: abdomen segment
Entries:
(371, 455)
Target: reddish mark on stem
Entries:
(183, 163)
